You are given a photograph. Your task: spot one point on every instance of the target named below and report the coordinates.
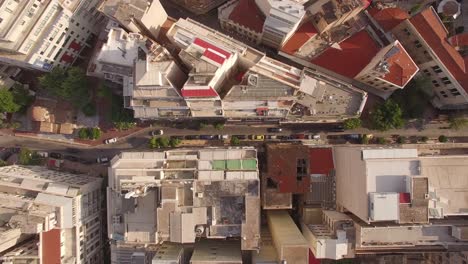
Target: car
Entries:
(43, 154)
(192, 137)
(352, 136)
(110, 140)
(338, 128)
(55, 155)
(72, 150)
(207, 137)
(177, 137)
(257, 137)
(221, 137)
(102, 160)
(158, 132)
(316, 136)
(71, 158)
(298, 136)
(272, 137)
(241, 137)
(274, 129)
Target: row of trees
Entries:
(92, 133)
(163, 142)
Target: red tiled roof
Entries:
(305, 32)
(199, 92)
(405, 198)
(388, 18)
(51, 246)
(434, 33)
(402, 67)
(247, 14)
(353, 55)
(207, 45)
(321, 160)
(214, 56)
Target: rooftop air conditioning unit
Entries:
(253, 79)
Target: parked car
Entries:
(316, 137)
(55, 155)
(298, 136)
(257, 137)
(221, 137)
(272, 137)
(338, 128)
(207, 137)
(72, 150)
(274, 129)
(158, 132)
(192, 137)
(352, 136)
(177, 137)
(110, 140)
(43, 154)
(71, 158)
(102, 160)
(241, 137)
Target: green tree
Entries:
(28, 157)
(235, 141)
(3, 163)
(202, 125)
(83, 133)
(163, 142)
(53, 80)
(387, 116)
(89, 109)
(401, 140)
(75, 87)
(443, 139)
(364, 139)
(174, 142)
(415, 98)
(154, 143)
(381, 140)
(458, 123)
(352, 123)
(7, 103)
(424, 139)
(21, 97)
(95, 133)
(218, 126)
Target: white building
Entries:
(44, 34)
(49, 216)
(182, 195)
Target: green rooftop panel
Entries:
(249, 164)
(234, 164)
(219, 164)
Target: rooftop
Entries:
(388, 18)
(354, 54)
(247, 14)
(305, 32)
(433, 31)
(401, 67)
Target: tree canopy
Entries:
(352, 123)
(70, 85)
(387, 116)
(7, 102)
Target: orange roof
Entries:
(460, 40)
(353, 54)
(388, 18)
(305, 32)
(247, 14)
(321, 160)
(434, 33)
(402, 67)
(51, 246)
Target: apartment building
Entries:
(155, 197)
(199, 6)
(150, 78)
(327, 14)
(137, 16)
(425, 37)
(49, 216)
(396, 191)
(240, 83)
(270, 22)
(41, 35)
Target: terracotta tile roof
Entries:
(352, 55)
(402, 67)
(321, 160)
(282, 167)
(247, 14)
(305, 32)
(51, 246)
(434, 33)
(388, 18)
(460, 40)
